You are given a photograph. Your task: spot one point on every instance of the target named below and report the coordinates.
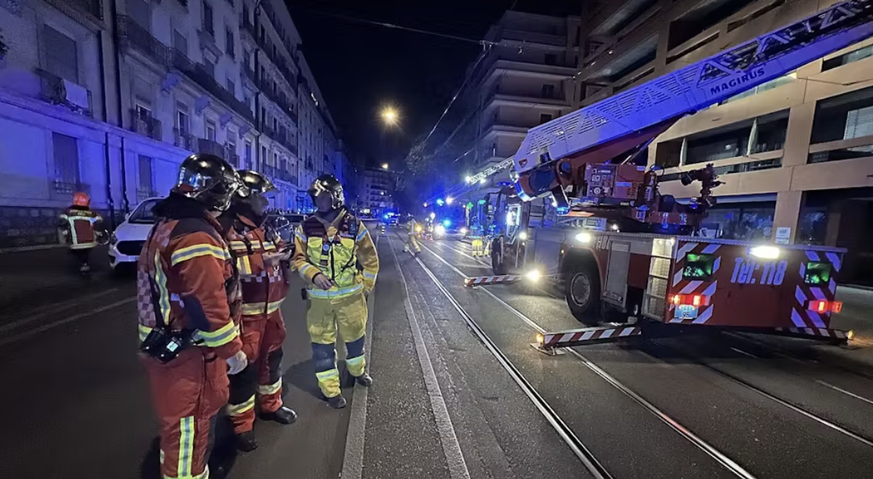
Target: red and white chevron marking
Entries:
(567, 338)
(680, 285)
(801, 316)
(816, 332)
(487, 280)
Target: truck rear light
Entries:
(696, 300)
(825, 306)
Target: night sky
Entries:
(360, 67)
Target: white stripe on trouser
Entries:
(267, 389)
(186, 446)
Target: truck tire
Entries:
(582, 290)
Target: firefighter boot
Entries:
(246, 441)
(364, 380)
(337, 402)
(283, 415)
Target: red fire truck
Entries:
(621, 249)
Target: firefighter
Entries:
(259, 254)
(329, 246)
(412, 231)
(188, 300)
(80, 227)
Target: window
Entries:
(180, 42)
(548, 91)
(61, 55)
(247, 154)
(275, 159)
(263, 153)
(231, 149)
(182, 119)
(231, 86)
(545, 118)
(275, 124)
(551, 59)
(209, 67)
(210, 130)
(207, 19)
(143, 112)
(66, 159)
(229, 43)
(851, 57)
(146, 178)
(139, 12)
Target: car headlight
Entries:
(463, 231)
(440, 230)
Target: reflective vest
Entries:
(263, 287)
(79, 227)
(332, 250)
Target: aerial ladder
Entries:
(644, 263)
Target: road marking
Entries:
(847, 393)
(744, 353)
(717, 455)
(64, 321)
(52, 309)
(353, 457)
(451, 447)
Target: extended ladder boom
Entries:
(695, 87)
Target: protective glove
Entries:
(237, 363)
(322, 281)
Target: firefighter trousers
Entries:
(411, 245)
(187, 394)
(262, 337)
(325, 316)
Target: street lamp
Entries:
(384, 166)
(390, 116)
(449, 200)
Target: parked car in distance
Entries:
(127, 240)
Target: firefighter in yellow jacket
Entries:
(336, 256)
(413, 229)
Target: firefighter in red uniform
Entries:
(259, 255)
(188, 300)
(79, 227)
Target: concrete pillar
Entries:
(787, 214)
(683, 152)
(797, 137)
(753, 139)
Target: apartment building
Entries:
(796, 154)
(524, 79)
(317, 136)
(375, 192)
(108, 96)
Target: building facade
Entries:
(796, 154)
(375, 192)
(109, 96)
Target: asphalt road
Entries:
(444, 405)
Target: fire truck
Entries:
(585, 210)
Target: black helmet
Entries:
(254, 183)
(330, 185)
(208, 179)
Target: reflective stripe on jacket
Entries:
(336, 250)
(186, 280)
(263, 286)
(80, 227)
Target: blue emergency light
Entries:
(447, 223)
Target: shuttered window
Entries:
(66, 159)
(61, 54)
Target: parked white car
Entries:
(127, 240)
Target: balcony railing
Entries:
(145, 125)
(131, 34)
(185, 140)
(93, 8)
(211, 147)
(58, 91)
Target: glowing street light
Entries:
(390, 116)
(384, 166)
(449, 200)
(468, 179)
